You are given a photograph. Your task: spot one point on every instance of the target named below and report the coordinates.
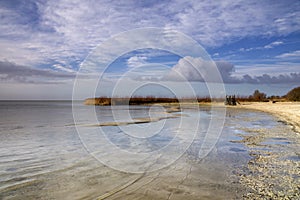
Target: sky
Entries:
(45, 44)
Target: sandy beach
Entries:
(288, 112)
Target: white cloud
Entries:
(268, 46)
(273, 44)
(62, 68)
(57, 34)
(294, 54)
(248, 49)
(65, 30)
(199, 70)
(136, 61)
(215, 23)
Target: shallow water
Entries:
(42, 155)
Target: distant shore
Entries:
(288, 112)
(106, 101)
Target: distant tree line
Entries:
(258, 96)
(293, 95)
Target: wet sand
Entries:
(88, 179)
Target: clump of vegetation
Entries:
(294, 94)
(142, 100)
(258, 96)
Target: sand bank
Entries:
(288, 112)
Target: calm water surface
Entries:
(41, 155)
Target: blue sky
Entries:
(43, 43)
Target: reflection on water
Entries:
(41, 155)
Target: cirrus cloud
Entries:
(65, 31)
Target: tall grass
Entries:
(139, 100)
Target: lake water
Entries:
(43, 155)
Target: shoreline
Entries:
(288, 112)
(272, 171)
